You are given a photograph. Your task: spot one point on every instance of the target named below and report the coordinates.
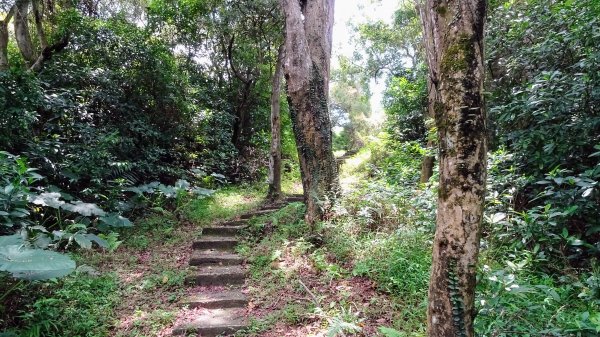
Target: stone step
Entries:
(214, 323)
(295, 198)
(215, 242)
(217, 276)
(233, 223)
(257, 213)
(222, 230)
(214, 256)
(273, 207)
(215, 300)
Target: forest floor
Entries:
(296, 286)
(152, 265)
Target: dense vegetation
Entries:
(124, 139)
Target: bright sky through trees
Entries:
(349, 13)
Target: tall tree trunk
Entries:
(275, 155)
(4, 39)
(433, 96)
(427, 165)
(242, 118)
(454, 45)
(22, 35)
(39, 27)
(309, 25)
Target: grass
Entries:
(78, 305)
(301, 284)
(367, 273)
(225, 203)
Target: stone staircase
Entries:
(222, 274)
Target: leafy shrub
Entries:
(80, 305)
(545, 85)
(513, 301)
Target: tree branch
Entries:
(231, 64)
(48, 52)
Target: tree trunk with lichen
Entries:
(4, 39)
(22, 35)
(433, 96)
(454, 46)
(427, 165)
(309, 25)
(274, 192)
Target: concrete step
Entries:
(217, 276)
(272, 207)
(214, 323)
(218, 300)
(215, 242)
(215, 257)
(222, 230)
(257, 213)
(295, 198)
(234, 223)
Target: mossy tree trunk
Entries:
(4, 38)
(309, 25)
(433, 96)
(454, 46)
(274, 192)
(427, 166)
(22, 35)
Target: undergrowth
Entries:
(133, 287)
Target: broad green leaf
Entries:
(34, 264)
(389, 332)
(83, 241)
(10, 240)
(202, 191)
(168, 191)
(182, 184)
(50, 199)
(84, 208)
(116, 221)
(98, 240)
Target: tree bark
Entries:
(243, 105)
(433, 96)
(309, 25)
(48, 52)
(4, 39)
(275, 154)
(454, 45)
(22, 35)
(427, 166)
(39, 27)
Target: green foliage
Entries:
(399, 263)
(389, 332)
(32, 264)
(388, 49)
(528, 255)
(398, 162)
(512, 301)
(405, 103)
(559, 231)
(19, 98)
(224, 203)
(545, 85)
(349, 108)
(77, 306)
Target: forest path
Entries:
(219, 300)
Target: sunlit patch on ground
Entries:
(349, 172)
